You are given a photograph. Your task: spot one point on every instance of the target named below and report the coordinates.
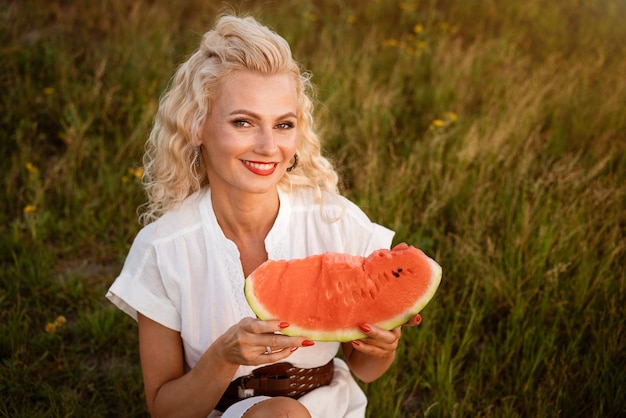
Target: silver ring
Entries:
(268, 350)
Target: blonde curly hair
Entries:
(235, 44)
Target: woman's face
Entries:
(250, 135)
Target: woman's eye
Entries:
(241, 123)
(285, 125)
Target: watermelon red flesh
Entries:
(324, 297)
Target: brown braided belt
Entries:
(278, 379)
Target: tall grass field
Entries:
(491, 134)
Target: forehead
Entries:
(256, 92)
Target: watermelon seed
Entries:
(395, 274)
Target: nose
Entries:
(266, 144)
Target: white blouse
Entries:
(183, 273)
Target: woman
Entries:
(234, 177)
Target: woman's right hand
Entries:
(247, 342)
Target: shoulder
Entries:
(330, 222)
(184, 219)
(328, 206)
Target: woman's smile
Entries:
(260, 168)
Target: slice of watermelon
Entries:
(324, 297)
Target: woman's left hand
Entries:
(380, 342)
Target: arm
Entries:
(169, 391)
(172, 392)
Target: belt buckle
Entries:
(242, 391)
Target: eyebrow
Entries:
(257, 116)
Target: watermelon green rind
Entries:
(349, 334)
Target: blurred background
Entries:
(490, 134)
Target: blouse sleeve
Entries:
(141, 287)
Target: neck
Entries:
(246, 218)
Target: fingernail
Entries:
(283, 325)
(418, 319)
(355, 343)
(307, 343)
(293, 349)
(364, 328)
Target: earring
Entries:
(295, 163)
(196, 157)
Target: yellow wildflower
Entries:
(125, 179)
(438, 123)
(452, 116)
(136, 172)
(351, 19)
(30, 167)
(418, 28)
(52, 327)
(390, 42)
(420, 44)
(312, 17)
(30, 208)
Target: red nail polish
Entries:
(283, 325)
(364, 328)
(307, 343)
(418, 319)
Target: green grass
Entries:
(490, 134)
